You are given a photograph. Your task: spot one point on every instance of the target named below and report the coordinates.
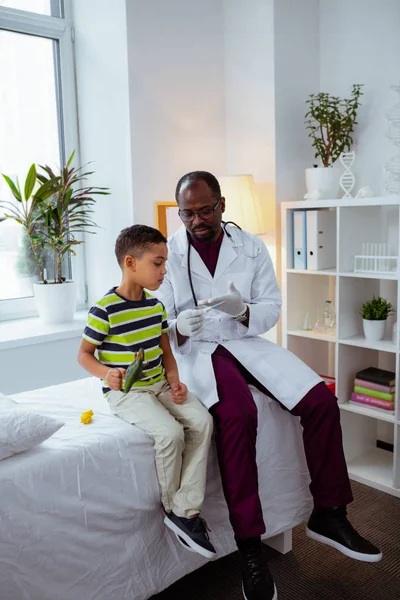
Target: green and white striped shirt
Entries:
(119, 328)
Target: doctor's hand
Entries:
(233, 304)
(189, 322)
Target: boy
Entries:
(125, 320)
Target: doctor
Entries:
(219, 356)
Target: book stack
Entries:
(375, 388)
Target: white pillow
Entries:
(21, 429)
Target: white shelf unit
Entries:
(342, 353)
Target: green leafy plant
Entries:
(377, 309)
(55, 209)
(26, 264)
(330, 122)
(25, 211)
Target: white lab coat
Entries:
(245, 260)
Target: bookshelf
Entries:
(342, 353)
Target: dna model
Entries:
(347, 179)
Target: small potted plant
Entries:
(330, 122)
(55, 210)
(375, 313)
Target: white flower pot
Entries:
(325, 180)
(374, 331)
(55, 302)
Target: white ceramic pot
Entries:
(374, 331)
(325, 180)
(55, 302)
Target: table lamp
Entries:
(242, 203)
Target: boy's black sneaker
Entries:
(332, 527)
(257, 581)
(184, 544)
(192, 531)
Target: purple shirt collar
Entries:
(208, 251)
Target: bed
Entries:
(80, 515)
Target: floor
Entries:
(312, 571)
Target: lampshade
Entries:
(242, 204)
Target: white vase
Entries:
(325, 180)
(374, 331)
(55, 302)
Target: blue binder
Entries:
(300, 239)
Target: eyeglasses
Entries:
(204, 213)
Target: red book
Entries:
(375, 386)
(373, 402)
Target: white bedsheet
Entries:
(80, 516)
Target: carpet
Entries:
(313, 571)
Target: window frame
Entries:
(59, 29)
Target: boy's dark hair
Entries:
(135, 240)
(194, 177)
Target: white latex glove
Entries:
(189, 322)
(233, 302)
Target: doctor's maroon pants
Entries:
(235, 417)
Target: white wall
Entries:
(360, 43)
(249, 103)
(296, 55)
(104, 124)
(176, 95)
(40, 365)
(249, 88)
(249, 97)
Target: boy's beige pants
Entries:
(181, 434)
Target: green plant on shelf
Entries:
(330, 121)
(377, 309)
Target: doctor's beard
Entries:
(207, 233)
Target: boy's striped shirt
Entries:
(120, 327)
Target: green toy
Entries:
(135, 371)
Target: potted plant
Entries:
(330, 122)
(55, 210)
(375, 313)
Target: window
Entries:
(38, 123)
(44, 7)
(29, 126)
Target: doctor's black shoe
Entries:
(194, 532)
(257, 581)
(331, 526)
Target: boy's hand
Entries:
(114, 378)
(178, 392)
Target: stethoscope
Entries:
(229, 235)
